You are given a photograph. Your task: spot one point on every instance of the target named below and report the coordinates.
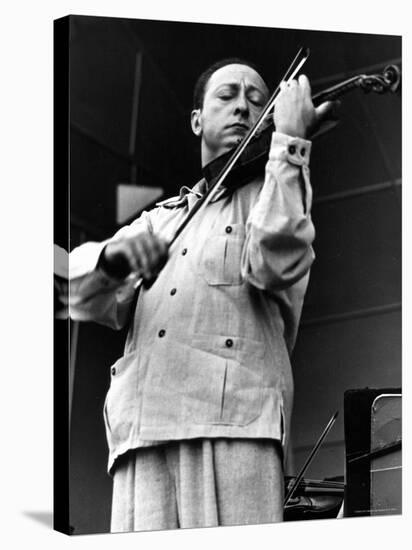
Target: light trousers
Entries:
(198, 483)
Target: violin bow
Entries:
(310, 458)
(291, 72)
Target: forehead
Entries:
(236, 74)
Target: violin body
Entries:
(251, 163)
(314, 500)
(312, 507)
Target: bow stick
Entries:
(310, 458)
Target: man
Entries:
(198, 412)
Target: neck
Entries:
(206, 155)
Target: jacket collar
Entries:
(188, 195)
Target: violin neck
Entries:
(338, 90)
(388, 81)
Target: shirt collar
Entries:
(200, 189)
(189, 196)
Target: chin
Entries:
(231, 143)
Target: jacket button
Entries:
(229, 343)
(184, 251)
(113, 370)
(173, 291)
(292, 149)
(162, 333)
(228, 229)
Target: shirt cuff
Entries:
(291, 149)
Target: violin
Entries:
(253, 160)
(248, 159)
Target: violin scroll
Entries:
(392, 75)
(388, 81)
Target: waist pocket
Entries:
(242, 394)
(230, 383)
(221, 256)
(120, 406)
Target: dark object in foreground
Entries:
(314, 499)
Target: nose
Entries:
(242, 105)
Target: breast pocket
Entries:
(221, 256)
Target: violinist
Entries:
(198, 412)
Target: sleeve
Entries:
(279, 229)
(94, 295)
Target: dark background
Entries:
(351, 326)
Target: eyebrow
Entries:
(234, 86)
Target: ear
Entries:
(196, 122)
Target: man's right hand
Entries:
(139, 251)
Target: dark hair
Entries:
(200, 86)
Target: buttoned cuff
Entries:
(85, 269)
(291, 149)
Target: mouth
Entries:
(239, 126)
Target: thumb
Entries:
(329, 110)
(326, 118)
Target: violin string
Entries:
(316, 483)
(319, 483)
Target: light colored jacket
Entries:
(208, 347)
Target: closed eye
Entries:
(256, 99)
(225, 97)
(256, 103)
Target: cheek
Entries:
(255, 112)
(213, 119)
(214, 114)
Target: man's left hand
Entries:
(295, 114)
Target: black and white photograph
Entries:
(234, 273)
(205, 274)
